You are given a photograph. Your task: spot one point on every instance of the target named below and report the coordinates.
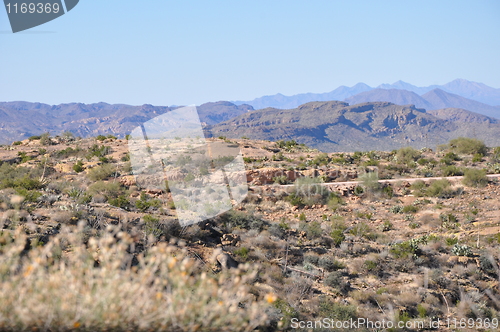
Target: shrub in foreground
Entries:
(167, 290)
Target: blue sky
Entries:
(165, 52)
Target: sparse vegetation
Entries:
(316, 245)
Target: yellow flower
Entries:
(270, 297)
(28, 271)
(76, 325)
(172, 262)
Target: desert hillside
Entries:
(405, 235)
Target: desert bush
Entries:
(145, 203)
(335, 201)
(330, 309)
(311, 258)
(410, 209)
(407, 154)
(78, 166)
(466, 145)
(277, 230)
(452, 170)
(405, 249)
(113, 297)
(232, 219)
(45, 139)
(329, 263)
(19, 178)
(475, 178)
(313, 230)
(102, 172)
(363, 230)
(121, 201)
(98, 151)
(440, 188)
(337, 236)
(68, 152)
(487, 264)
(107, 189)
(369, 181)
(396, 209)
(461, 250)
(450, 241)
(308, 191)
(386, 226)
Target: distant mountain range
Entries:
(475, 97)
(347, 118)
(20, 120)
(337, 126)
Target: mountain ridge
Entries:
(471, 90)
(337, 126)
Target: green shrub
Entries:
(334, 201)
(100, 138)
(451, 170)
(462, 250)
(410, 209)
(337, 236)
(475, 178)
(407, 154)
(396, 209)
(108, 189)
(333, 310)
(405, 249)
(120, 201)
(34, 138)
(29, 195)
(466, 145)
(24, 157)
(242, 220)
(78, 167)
(69, 151)
(370, 265)
(242, 252)
(450, 241)
(477, 158)
(313, 230)
(440, 188)
(102, 172)
(98, 151)
(329, 263)
(144, 203)
(362, 230)
(308, 191)
(152, 226)
(386, 226)
(17, 143)
(358, 191)
(45, 139)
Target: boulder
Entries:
(226, 261)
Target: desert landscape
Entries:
(409, 235)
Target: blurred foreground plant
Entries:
(80, 284)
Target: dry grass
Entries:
(57, 287)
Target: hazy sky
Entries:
(165, 52)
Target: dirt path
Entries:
(410, 180)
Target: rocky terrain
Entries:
(337, 126)
(404, 251)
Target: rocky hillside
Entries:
(304, 244)
(338, 126)
(20, 120)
